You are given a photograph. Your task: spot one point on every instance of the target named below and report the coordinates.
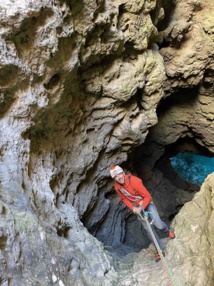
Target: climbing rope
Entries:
(166, 267)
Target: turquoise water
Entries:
(192, 167)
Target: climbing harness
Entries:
(145, 217)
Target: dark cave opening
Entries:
(121, 231)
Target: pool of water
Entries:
(192, 167)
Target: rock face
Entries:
(80, 86)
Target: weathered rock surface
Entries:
(80, 83)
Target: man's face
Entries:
(120, 178)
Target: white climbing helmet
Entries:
(115, 170)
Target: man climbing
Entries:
(136, 197)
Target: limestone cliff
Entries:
(82, 85)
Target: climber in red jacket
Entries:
(136, 197)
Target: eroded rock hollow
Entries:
(85, 85)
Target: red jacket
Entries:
(137, 193)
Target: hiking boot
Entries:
(171, 234)
(158, 257)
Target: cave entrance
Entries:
(119, 229)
